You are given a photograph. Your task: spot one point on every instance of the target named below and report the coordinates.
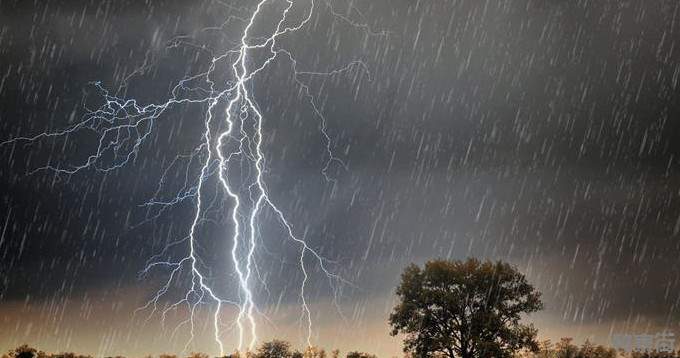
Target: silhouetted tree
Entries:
(360, 355)
(590, 350)
(198, 355)
(545, 350)
(274, 349)
(314, 352)
(566, 349)
(464, 309)
(238, 354)
(25, 351)
(67, 355)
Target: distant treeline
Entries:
(566, 349)
(271, 349)
(282, 349)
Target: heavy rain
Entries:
(258, 178)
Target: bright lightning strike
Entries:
(123, 125)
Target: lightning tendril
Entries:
(123, 125)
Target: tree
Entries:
(566, 349)
(196, 355)
(464, 309)
(545, 350)
(360, 355)
(314, 352)
(274, 349)
(590, 350)
(66, 355)
(26, 351)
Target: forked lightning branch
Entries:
(123, 125)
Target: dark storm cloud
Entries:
(546, 133)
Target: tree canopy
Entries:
(274, 349)
(464, 309)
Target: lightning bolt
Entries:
(123, 125)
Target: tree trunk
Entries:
(466, 354)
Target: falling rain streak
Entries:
(205, 176)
